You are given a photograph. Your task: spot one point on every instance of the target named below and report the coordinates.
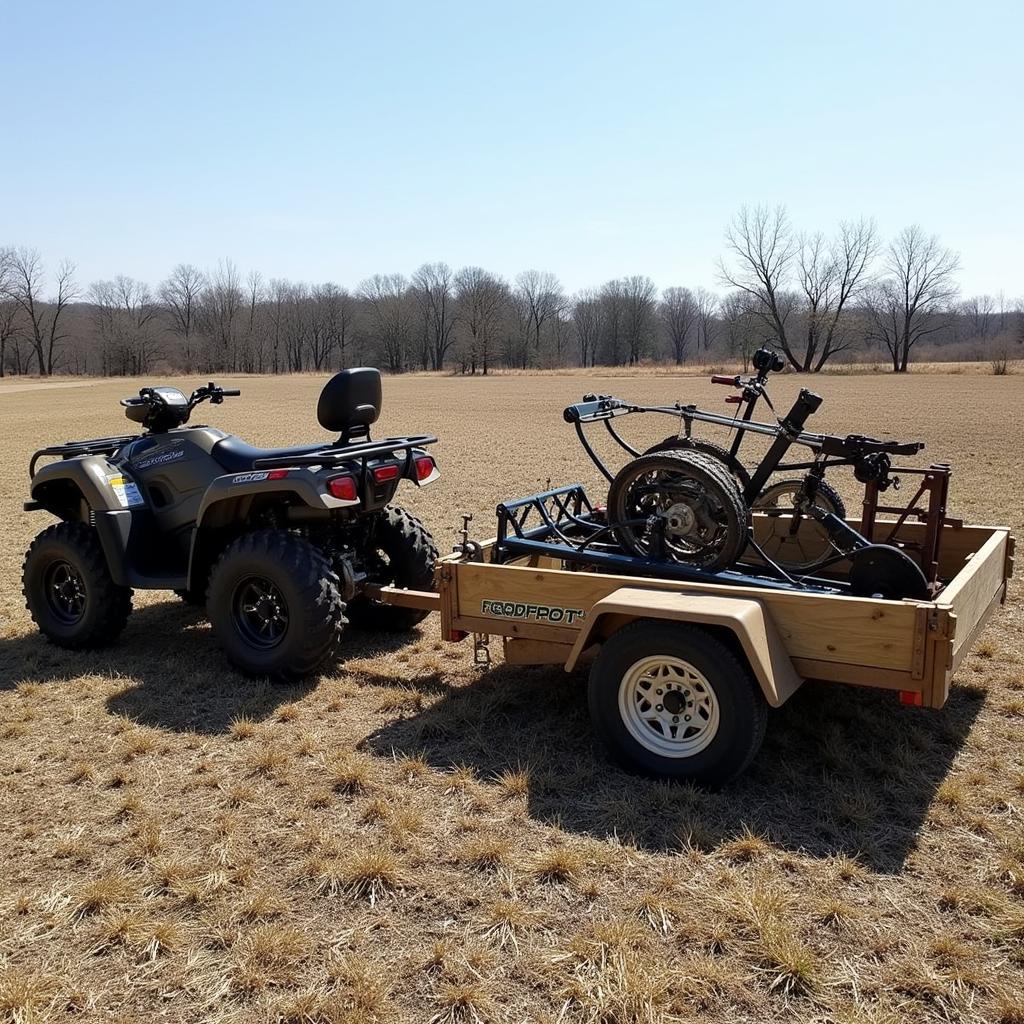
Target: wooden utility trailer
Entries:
(683, 672)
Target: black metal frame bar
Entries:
(563, 509)
(332, 455)
(71, 449)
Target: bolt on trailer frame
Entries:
(550, 606)
(830, 451)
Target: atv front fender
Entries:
(82, 489)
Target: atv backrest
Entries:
(350, 402)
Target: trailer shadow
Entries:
(173, 672)
(842, 770)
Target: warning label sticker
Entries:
(127, 491)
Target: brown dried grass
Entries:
(407, 839)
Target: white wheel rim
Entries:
(668, 707)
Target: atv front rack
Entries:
(563, 524)
(335, 454)
(72, 449)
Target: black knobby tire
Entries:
(809, 547)
(697, 444)
(715, 481)
(403, 555)
(741, 711)
(69, 591)
(267, 570)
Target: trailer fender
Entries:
(747, 619)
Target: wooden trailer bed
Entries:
(548, 614)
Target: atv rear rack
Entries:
(563, 524)
(71, 449)
(331, 455)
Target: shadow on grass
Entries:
(175, 675)
(842, 770)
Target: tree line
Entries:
(812, 296)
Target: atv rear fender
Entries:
(232, 499)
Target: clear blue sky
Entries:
(334, 140)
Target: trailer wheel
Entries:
(671, 700)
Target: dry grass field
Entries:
(409, 838)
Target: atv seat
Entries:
(238, 457)
(350, 403)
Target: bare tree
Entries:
(641, 299)
(588, 319)
(913, 300)
(123, 314)
(540, 294)
(830, 275)
(435, 287)
(42, 317)
(481, 300)
(707, 324)
(388, 316)
(613, 317)
(222, 301)
(8, 307)
(763, 249)
(678, 312)
(180, 296)
(980, 311)
(741, 325)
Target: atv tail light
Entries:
(343, 488)
(277, 474)
(424, 467)
(912, 697)
(382, 474)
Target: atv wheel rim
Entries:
(260, 612)
(65, 592)
(668, 707)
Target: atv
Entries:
(278, 543)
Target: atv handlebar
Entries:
(212, 392)
(730, 382)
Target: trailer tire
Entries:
(702, 677)
(69, 591)
(716, 451)
(410, 554)
(275, 605)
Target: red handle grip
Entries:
(727, 381)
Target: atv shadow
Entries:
(175, 675)
(842, 770)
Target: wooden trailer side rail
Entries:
(547, 614)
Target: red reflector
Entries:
(454, 635)
(911, 697)
(277, 474)
(424, 467)
(343, 488)
(382, 474)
